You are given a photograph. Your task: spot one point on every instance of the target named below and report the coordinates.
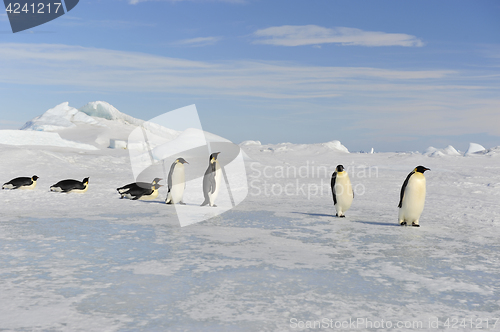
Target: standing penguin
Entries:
(21, 183)
(176, 182)
(341, 191)
(211, 180)
(412, 197)
(136, 187)
(71, 186)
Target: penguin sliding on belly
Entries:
(143, 194)
(176, 182)
(21, 183)
(132, 190)
(71, 186)
(341, 191)
(412, 197)
(212, 180)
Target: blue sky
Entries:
(393, 75)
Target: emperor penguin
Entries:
(71, 186)
(412, 197)
(211, 180)
(21, 183)
(341, 191)
(136, 187)
(176, 182)
(141, 193)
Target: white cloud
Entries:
(198, 42)
(298, 35)
(117, 70)
(396, 101)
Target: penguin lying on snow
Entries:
(211, 180)
(132, 189)
(412, 197)
(21, 183)
(176, 182)
(138, 192)
(71, 186)
(341, 191)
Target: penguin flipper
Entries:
(403, 188)
(332, 183)
(211, 178)
(169, 179)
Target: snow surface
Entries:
(17, 137)
(97, 123)
(94, 262)
(60, 117)
(474, 148)
(305, 149)
(448, 151)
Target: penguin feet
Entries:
(415, 225)
(403, 223)
(181, 203)
(336, 214)
(342, 216)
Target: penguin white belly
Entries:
(178, 184)
(80, 191)
(343, 193)
(413, 199)
(218, 178)
(153, 195)
(31, 186)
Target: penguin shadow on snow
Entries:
(315, 214)
(376, 223)
(151, 202)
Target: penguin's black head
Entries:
(85, 181)
(156, 180)
(34, 177)
(340, 168)
(182, 161)
(214, 156)
(421, 169)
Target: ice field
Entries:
(279, 261)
